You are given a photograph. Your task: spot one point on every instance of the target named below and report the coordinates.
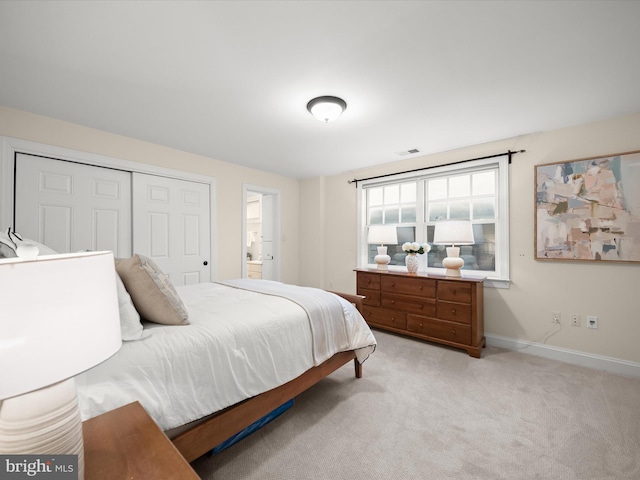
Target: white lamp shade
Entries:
(382, 235)
(453, 232)
(60, 317)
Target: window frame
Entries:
(501, 277)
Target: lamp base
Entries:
(45, 421)
(453, 263)
(382, 259)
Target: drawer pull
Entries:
(393, 302)
(421, 287)
(421, 306)
(453, 332)
(453, 290)
(453, 311)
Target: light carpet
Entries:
(424, 411)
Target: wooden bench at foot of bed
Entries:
(223, 425)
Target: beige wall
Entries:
(610, 291)
(229, 180)
(319, 227)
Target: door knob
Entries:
(205, 263)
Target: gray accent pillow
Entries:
(155, 299)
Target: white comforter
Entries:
(240, 343)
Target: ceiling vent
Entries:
(409, 152)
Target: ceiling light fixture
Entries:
(326, 109)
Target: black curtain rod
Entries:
(508, 152)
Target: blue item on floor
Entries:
(253, 427)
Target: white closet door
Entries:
(71, 207)
(171, 225)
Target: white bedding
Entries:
(240, 343)
(328, 335)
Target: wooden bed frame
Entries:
(221, 426)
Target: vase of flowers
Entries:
(413, 249)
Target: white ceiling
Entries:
(231, 80)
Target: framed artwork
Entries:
(589, 209)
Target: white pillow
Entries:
(130, 325)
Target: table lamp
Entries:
(382, 234)
(453, 232)
(59, 316)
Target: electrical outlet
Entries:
(575, 319)
(555, 317)
(592, 321)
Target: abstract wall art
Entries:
(589, 209)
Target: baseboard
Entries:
(609, 364)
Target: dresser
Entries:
(437, 308)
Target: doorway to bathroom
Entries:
(261, 231)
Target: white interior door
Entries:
(268, 253)
(71, 207)
(171, 225)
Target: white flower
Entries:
(415, 247)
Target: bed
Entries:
(237, 351)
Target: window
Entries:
(476, 191)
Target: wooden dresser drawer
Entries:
(456, 312)
(419, 305)
(423, 287)
(437, 329)
(381, 316)
(370, 281)
(372, 297)
(454, 291)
